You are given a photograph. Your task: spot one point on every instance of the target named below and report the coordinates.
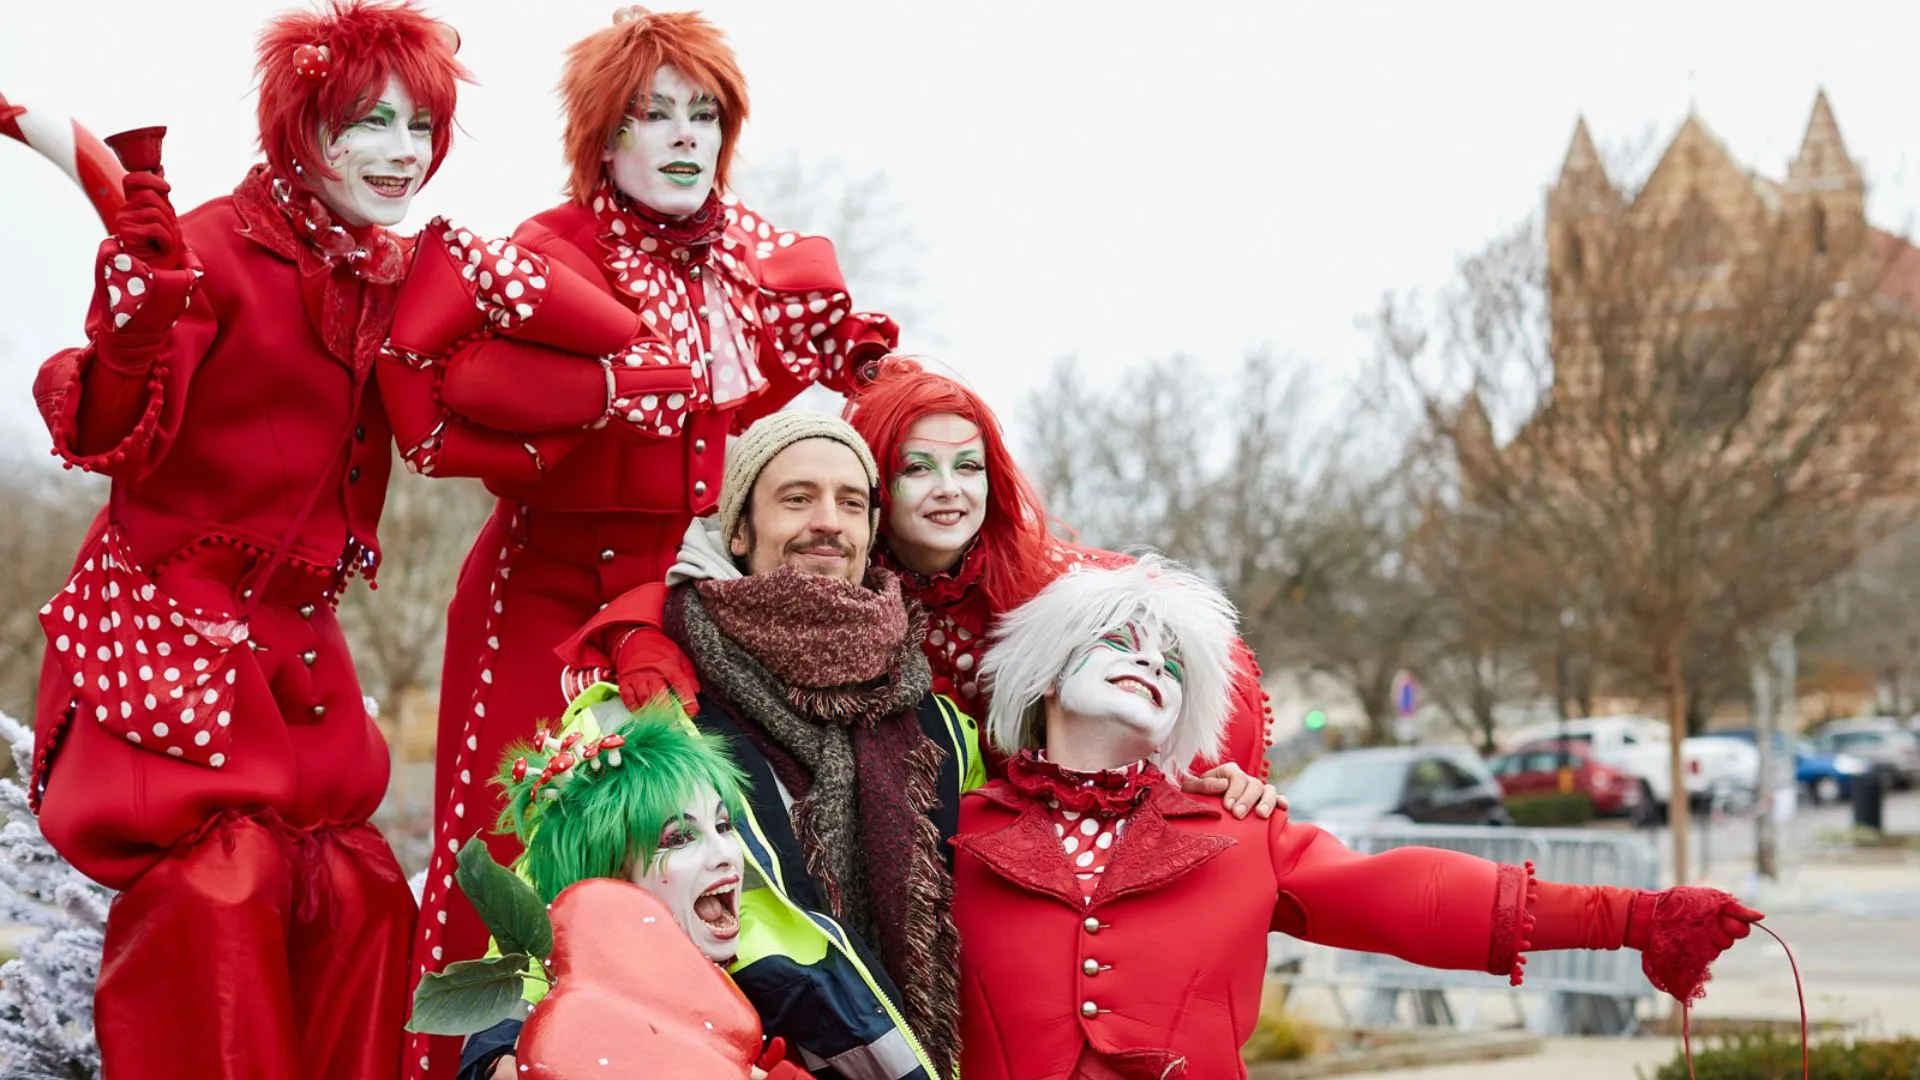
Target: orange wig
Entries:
(607, 69)
(367, 42)
(1014, 531)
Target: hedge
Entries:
(1767, 1056)
(1537, 811)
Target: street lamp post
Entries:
(1560, 700)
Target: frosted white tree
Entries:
(46, 993)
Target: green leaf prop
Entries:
(508, 906)
(469, 996)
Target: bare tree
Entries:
(1243, 480)
(1689, 424)
(1870, 619)
(48, 513)
(398, 630)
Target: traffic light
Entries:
(1315, 720)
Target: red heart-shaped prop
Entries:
(632, 997)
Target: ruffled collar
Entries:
(1105, 793)
(292, 222)
(627, 226)
(941, 589)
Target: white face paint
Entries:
(667, 149)
(696, 873)
(1129, 678)
(939, 493)
(382, 159)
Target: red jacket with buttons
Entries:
(247, 409)
(1163, 970)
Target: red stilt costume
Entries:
(204, 747)
(589, 370)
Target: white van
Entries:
(1724, 769)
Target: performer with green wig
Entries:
(652, 803)
(645, 798)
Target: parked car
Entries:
(1826, 777)
(1881, 742)
(1534, 769)
(1431, 785)
(1714, 768)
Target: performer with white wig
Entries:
(1113, 927)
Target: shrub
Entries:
(1767, 1056)
(1540, 811)
(1279, 1035)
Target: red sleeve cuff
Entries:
(1513, 899)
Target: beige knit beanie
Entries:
(764, 440)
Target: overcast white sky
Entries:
(1204, 177)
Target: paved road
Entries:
(1725, 843)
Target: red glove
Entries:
(146, 225)
(647, 662)
(775, 1064)
(1681, 931)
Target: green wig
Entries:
(601, 816)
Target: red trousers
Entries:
(262, 924)
(261, 952)
(531, 580)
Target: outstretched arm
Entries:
(1445, 909)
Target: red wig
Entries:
(366, 43)
(607, 69)
(1014, 532)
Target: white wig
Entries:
(1034, 643)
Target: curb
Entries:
(1419, 1050)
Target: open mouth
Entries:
(1140, 687)
(719, 908)
(684, 173)
(389, 187)
(947, 518)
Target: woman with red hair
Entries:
(203, 746)
(654, 315)
(964, 530)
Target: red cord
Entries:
(1686, 1012)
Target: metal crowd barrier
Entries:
(1583, 992)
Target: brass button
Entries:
(693, 272)
(319, 711)
(306, 611)
(1089, 1010)
(699, 446)
(309, 657)
(703, 311)
(1090, 967)
(606, 555)
(353, 475)
(699, 488)
(1092, 925)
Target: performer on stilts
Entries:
(590, 370)
(1130, 922)
(203, 744)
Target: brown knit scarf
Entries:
(833, 672)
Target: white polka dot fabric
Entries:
(151, 671)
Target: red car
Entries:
(1534, 769)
